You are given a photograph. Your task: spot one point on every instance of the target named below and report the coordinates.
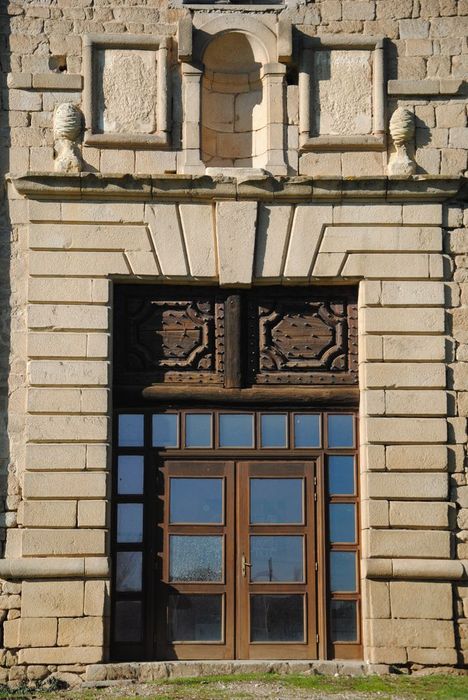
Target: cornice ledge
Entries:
(414, 569)
(92, 186)
(54, 567)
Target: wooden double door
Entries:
(237, 575)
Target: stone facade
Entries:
(308, 205)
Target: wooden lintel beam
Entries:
(338, 396)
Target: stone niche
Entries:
(233, 96)
(233, 118)
(126, 91)
(341, 93)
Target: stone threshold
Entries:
(141, 672)
(94, 186)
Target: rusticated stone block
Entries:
(84, 631)
(52, 599)
(416, 599)
(413, 633)
(409, 543)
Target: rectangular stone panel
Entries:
(341, 92)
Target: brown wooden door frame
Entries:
(165, 648)
(245, 649)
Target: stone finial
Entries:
(401, 130)
(67, 129)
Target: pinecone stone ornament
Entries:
(402, 131)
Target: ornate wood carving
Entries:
(273, 337)
(299, 340)
(169, 337)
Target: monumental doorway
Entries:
(235, 494)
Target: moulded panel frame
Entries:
(160, 139)
(363, 142)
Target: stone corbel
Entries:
(284, 39)
(184, 40)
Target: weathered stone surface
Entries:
(236, 254)
(338, 105)
(75, 632)
(52, 599)
(410, 599)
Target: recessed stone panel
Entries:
(126, 91)
(341, 92)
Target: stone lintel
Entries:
(48, 567)
(414, 569)
(91, 186)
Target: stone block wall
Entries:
(63, 247)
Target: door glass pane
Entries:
(196, 558)
(130, 474)
(276, 558)
(343, 620)
(343, 571)
(306, 430)
(196, 500)
(198, 430)
(195, 618)
(130, 430)
(165, 430)
(129, 522)
(236, 430)
(276, 501)
(341, 475)
(128, 571)
(340, 431)
(273, 430)
(128, 621)
(342, 522)
(277, 618)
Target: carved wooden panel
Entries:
(169, 337)
(296, 339)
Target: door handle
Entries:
(245, 564)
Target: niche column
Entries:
(273, 75)
(191, 103)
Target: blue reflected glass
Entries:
(276, 501)
(130, 474)
(130, 430)
(273, 432)
(343, 620)
(342, 519)
(343, 572)
(129, 522)
(198, 430)
(165, 430)
(236, 430)
(340, 430)
(341, 475)
(196, 558)
(306, 430)
(276, 558)
(196, 501)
